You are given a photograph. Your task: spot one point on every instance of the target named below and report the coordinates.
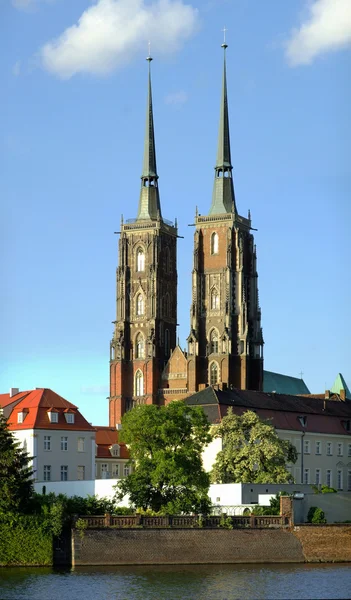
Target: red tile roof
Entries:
(105, 438)
(38, 403)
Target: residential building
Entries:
(53, 432)
(112, 456)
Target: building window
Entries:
(213, 373)
(140, 305)
(47, 472)
(329, 449)
(167, 260)
(139, 346)
(69, 417)
(115, 471)
(213, 342)
(318, 477)
(214, 243)
(81, 473)
(349, 450)
(306, 476)
(53, 416)
(20, 417)
(166, 306)
(64, 472)
(340, 449)
(139, 383)
(47, 442)
(318, 447)
(306, 448)
(140, 260)
(214, 299)
(167, 343)
(64, 443)
(81, 444)
(126, 470)
(329, 478)
(340, 479)
(104, 468)
(349, 481)
(114, 450)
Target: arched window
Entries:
(213, 342)
(140, 260)
(167, 342)
(213, 373)
(214, 299)
(139, 346)
(214, 243)
(167, 260)
(166, 306)
(139, 383)
(140, 305)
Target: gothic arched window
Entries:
(214, 243)
(167, 342)
(214, 299)
(166, 306)
(139, 346)
(214, 342)
(139, 383)
(167, 260)
(140, 260)
(213, 373)
(140, 305)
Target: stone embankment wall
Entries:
(325, 543)
(299, 544)
(184, 546)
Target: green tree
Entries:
(165, 445)
(252, 452)
(16, 482)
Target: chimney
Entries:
(343, 395)
(13, 392)
(327, 395)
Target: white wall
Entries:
(225, 494)
(103, 488)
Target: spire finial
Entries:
(149, 57)
(224, 45)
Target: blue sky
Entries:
(74, 78)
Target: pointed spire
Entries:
(149, 203)
(223, 198)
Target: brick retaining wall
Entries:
(184, 546)
(325, 543)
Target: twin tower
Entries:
(225, 342)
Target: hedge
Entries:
(25, 540)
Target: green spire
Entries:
(223, 198)
(149, 203)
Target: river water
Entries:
(195, 582)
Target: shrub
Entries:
(316, 515)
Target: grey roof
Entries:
(283, 384)
(223, 198)
(149, 203)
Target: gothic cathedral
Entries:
(225, 344)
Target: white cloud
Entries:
(177, 98)
(16, 69)
(327, 28)
(109, 33)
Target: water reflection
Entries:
(178, 582)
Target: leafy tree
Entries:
(272, 509)
(252, 452)
(165, 444)
(16, 483)
(316, 515)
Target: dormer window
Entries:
(69, 417)
(303, 421)
(53, 416)
(22, 415)
(115, 450)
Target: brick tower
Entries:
(145, 326)
(225, 344)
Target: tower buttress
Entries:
(146, 293)
(225, 344)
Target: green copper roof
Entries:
(283, 384)
(149, 203)
(223, 198)
(340, 384)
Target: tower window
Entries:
(214, 243)
(167, 342)
(140, 305)
(166, 306)
(139, 383)
(139, 346)
(213, 342)
(213, 373)
(140, 260)
(167, 260)
(214, 299)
